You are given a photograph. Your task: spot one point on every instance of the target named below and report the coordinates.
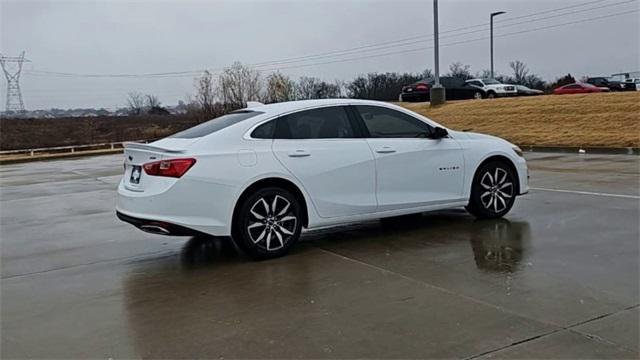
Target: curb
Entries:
(67, 155)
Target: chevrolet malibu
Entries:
(262, 174)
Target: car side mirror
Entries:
(439, 133)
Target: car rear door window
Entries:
(323, 123)
(382, 122)
(216, 124)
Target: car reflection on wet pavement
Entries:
(557, 278)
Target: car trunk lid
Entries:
(138, 154)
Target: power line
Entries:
(455, 43)
(337, 53)
(429, 36)
(351, 52)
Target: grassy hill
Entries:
(606, 119)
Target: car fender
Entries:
(284, 175)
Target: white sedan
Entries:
(263, 173)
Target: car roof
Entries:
(290, 106)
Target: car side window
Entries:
(383, 122)
(323, 123)
(264, 131)
(476, 83)
(573, 87)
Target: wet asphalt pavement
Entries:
(558, 277)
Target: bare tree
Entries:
(460, 70)
(341, 89)
(205, 97)
(152, 101)
(239, 84)
(383, 86)
(426, 74)
(279, 88)
(306, 87)
(135, 102)
(520, 72)
(314, 88)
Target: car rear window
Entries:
(216, 124)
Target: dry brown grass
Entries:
(610, 120)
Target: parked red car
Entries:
(579, 88)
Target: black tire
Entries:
(267, 223)
(492, 198)
(491, 95)
(477, 95)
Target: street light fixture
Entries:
(491, 17)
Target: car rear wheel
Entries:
(477, 95)
(268, 223)
(493, 191)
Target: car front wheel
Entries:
(268, 223)
(493, 191)
(477, 95)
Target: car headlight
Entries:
(518, 151)
(500, 88)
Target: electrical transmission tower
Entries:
(12, 66)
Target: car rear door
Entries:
(412, 169)
(322, 149)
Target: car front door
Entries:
(413, 170)
(320, 147)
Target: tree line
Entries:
(238, 84)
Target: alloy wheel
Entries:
(497, 188)
(272, 222)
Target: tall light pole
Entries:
(437, 94)
(491, 17)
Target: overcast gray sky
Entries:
(116, 37)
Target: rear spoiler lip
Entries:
(139, 146)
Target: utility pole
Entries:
(12, 66)
(491, 20)
(437, 93)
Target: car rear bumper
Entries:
(158, 227)
(414, 95)
(197, 205)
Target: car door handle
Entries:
(299, 153)
(385, 150)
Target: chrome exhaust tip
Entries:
(155, 229)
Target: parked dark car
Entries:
(456, 89)
(613, 85)
(525, 91)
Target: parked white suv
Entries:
(633, 82)
(494, 88)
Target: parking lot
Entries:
(558, 277)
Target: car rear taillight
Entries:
(170, 168)
(421, 87)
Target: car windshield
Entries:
(216, 124)
(491, 82)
